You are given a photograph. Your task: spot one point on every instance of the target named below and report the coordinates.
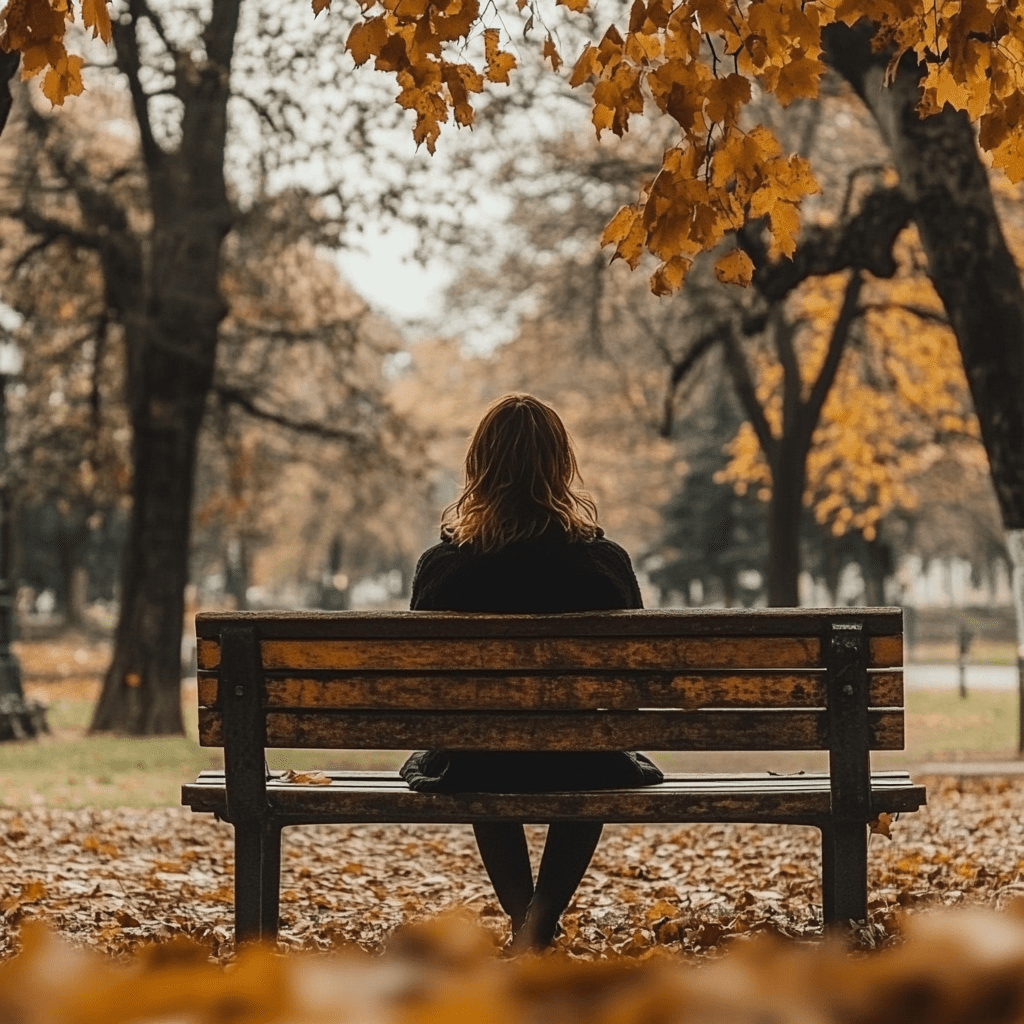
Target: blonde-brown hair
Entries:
(520, 475)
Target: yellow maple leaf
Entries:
(64, 80)
(456, 23)
(305, 778)
(785, 226)
(499, 62)
(725, 96)
(410, 10)
(940, 88)
(882, 824)
(35, 58)
(584, 67)
(551, 53)
(366, 40)
(669, 277)
(619, 226)
(603, 118)
(734, 267)
(1009, 156)
(574, 5)
(714, 15)
(798, 79)
(631, 246)
(96, 16)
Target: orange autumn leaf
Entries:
(95, 16)
(305, 778)
(63, 80)
(499, 62)
(551, 53)
(881, 825)
(734, 267)
(669, 277)
(366, 40)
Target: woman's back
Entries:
(550, 573)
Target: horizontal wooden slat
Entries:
(633, 623)
(383, 797)
(207, 654)
(477, 692)
(566, 731)
(885, 651)
(569, 653)
(551, 653)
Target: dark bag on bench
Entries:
(442, 771)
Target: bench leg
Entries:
(248, 875)
(844, 871)
(270, 883)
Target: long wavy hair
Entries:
(521, 477)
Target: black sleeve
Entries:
(615, 566)
(430, 571)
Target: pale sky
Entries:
(390, 280)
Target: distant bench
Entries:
(762, 680)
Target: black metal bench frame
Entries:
(840, 803)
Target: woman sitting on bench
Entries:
(521, 539)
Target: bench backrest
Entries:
(787, 679)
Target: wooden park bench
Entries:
(762, 680)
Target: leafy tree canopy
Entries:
(700, 61)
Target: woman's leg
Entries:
(507, 861)
(567, 853)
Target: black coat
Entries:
(547, 574)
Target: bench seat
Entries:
(382, 797)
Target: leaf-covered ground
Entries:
(113, 879)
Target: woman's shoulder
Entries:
(613, 561)
(440, 557)
(434, 568)
(608, 550)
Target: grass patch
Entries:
(71, 769)
(941, 725)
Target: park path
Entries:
(114, 879)
(947, 677)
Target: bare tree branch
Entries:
(848, 313)
(9, 63)
(782, 333)
(935, 316)
(681, 370)
(126, 47)
(747, 394)
(233, 396)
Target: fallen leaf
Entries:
(305, 778)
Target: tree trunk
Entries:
(237, 571)
(969, 264)
(785, 508)
(141, 691)
(1015, 547)
(876, 567)
(9, 64)
(171, 326)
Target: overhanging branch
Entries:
(245, 402)
(862, 242)
(682, 369)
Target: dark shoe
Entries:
(537, 933)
